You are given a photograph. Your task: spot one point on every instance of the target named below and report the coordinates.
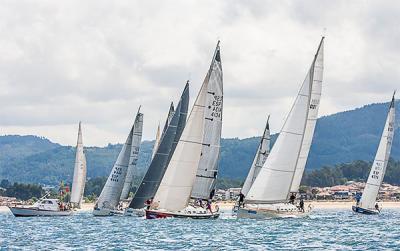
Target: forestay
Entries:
(316, 71)
(136, 140)
(275, 178)
(79, 180)
(198, 145)
(156, 170)
(378, 169)
(259, 159)
(111, 193)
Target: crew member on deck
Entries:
(148, 203)
(377, 207)
(301, 205)
(292, 198)
(358, 198)
(241, 199)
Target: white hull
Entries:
(106, 212)
(134, 212)
(279, 210)
(33, 212)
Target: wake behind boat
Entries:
(44, 207)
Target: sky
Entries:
(96, 61)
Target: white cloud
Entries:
(97, 61)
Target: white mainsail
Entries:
(79, 180)
(273, 183)
(111, 193)
(259, 160)
(378, 169)
(136, 140)
(316, 71)
(202, 128)
(157, 142)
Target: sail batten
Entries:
(379, 165)
(79, 179)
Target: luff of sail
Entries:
(316, 71)
(111, 193)
(158, 165)
(171, 113)
(136, 140)
(79, 180)
(273, 183)
(156, 142)
(378, 169)
(203, 125)
(259, 159)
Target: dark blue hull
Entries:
(364, 211)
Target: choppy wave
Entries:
(323, 230)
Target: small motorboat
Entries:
(189, 212)
(44, 207)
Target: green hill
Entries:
(339, 138)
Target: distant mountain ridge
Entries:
(339, 138)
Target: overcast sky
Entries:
(97, 61)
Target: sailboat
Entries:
(79, 180)
(197, 151)
(169, 138)
(133, 158)
(269, 194)
(108, 201)
(259, 160)
(367, 204)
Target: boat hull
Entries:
(106, 212)
(35, 212)
(134, 212)
(272, 211)
(361, 210)
(157, 214)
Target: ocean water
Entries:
(323, 230)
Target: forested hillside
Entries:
(340, 138)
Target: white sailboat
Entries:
(133, 158)
(197, 147)
(79, 180)
(259, 160)
(108, 201)
(367, 204)
(268, 196)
